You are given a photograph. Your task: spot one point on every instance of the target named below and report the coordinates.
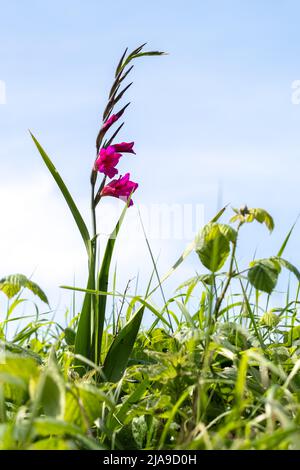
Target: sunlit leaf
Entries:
(263, 274)
(213, 247)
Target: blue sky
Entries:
(216, 112)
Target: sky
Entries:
(215, 122)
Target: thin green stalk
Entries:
(230, 274)
(93, 262)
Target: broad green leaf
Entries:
(119, 352)
(70, 336)
(249, 215)
(19, 366)
(263, 274)
(11, 347)
(16, 372)
(263, 217)
(119, 416)
(83, 337)
(83, 405)
(12, 284)
(50, 389)
(54, 427)
(228, 232)
(52, 443)
(66, 194)
(213, 247)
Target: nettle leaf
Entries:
(263, 217)
(249, 215)
(213, 245)
(12, 284)
(263, 274)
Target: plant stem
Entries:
(230, 274)
(93, 211)
(94, 316)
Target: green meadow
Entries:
(217, 368)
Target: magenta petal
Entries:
(121, 188)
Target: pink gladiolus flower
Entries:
(121, 188)
(113, 118)
(124, 147)
(107, 160)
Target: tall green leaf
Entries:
(285, 242)
(83, 337)
(66, 194)
(117, 357)
(102, 284)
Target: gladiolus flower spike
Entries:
(113, 118)
(109, 158)
(121, 188)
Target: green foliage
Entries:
(118, 355)
(263, 274)
(213, 371)
(245, 215)
(213, 245)
(12, 284)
